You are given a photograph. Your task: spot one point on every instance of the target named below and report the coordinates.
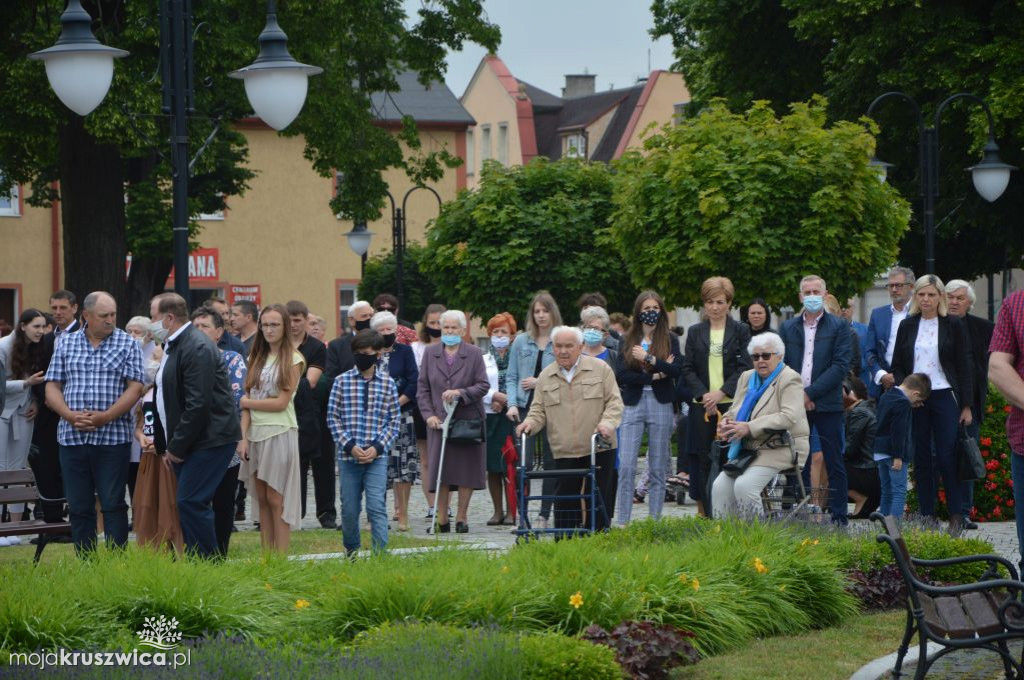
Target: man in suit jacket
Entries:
(818, 347)
(885, 320)
(197, 409)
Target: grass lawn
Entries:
(244, 544)
(834, 653)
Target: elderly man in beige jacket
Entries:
(576, 397)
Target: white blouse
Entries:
(926, 353)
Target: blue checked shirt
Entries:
(363, 413)
(92, 379)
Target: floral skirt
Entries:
(404, 461)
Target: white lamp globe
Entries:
(276, 95)
(359, 238)
(991, 180)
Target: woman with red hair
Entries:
(500, 330)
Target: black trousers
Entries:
(224, 509)
(569, 513)
(323, 467)
(46, 464)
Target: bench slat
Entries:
(952, 612)
(22, 476)
(980, 609)
(931, 616)
(18, 494)
(34, 526)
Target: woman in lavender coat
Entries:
(449, 369)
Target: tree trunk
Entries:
(92, 208)
(146, 278)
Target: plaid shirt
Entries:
(1008, 338)
(363, 412)
(92, 379)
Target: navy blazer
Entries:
(831, 361)
(735, 359)
(954, 355)
(878, 339)
(402, 368)
(979, 332)
(894, 431)
(632, 381)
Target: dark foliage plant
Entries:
(878, 589)
(645, 650)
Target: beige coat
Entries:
(572, 411)
(781, 407)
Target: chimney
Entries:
(578, 85)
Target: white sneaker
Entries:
(4, 542)
(13, 540)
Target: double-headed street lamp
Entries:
(80, 70)
(359, 238)
(991, 176)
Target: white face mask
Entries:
(159, 333)
(151, 368)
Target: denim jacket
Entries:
(521, 363)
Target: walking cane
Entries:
(449, 409)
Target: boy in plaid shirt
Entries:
(364, 418)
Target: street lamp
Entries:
(990, 176)
(359, 238)
(80, 70)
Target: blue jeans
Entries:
(894, 488)
(91, 470)
(198, 479)
(355, 479)
(830, 430)
(1017, 475)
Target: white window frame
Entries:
(503, 143)
(217, 216)
(344, 288)
(574, 145)
(470, 152)
(485, 143)
(14, 209)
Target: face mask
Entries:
(141, 340)
(649, 318)
(592, 337)
(389, 339)
(500, 341)
(365, 361)
(362, 325)
(433, 332)
(151, 368)
(159, 333)
(451, 340)
(813, 303)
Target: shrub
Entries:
(879, 589)
(645, 650)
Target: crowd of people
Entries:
(184, 414)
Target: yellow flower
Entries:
(505, 569)
(696, 584)
(717, 529)
(759, 566)
(815, 542)
(268, 586)
(683, 578)
(576, 600)
(301, 604)
(804, 543)
(782, 588)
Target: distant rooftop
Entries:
(433, 104)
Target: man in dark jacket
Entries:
(197, 409)
(818, 348)
(861, 469)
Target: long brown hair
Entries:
(26, 356)
(261, 351)
(434, 308)
(660, 346)
(548, 301)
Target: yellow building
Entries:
(280, 241)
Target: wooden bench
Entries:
(981, 615)
(19, 486)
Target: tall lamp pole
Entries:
(80, 70)
(990, 176)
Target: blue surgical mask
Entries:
(592, 337)
(500, 341)
(813, 303)
(451, 340)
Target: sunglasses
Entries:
(761, 357)
(385, 309)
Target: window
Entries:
(470, 152)
(346, 298)
(9, 311)
(574, 146)
(485, 143)
(10, 202)
(679, 112)
(503, 143)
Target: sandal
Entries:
(678, 480)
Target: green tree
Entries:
(119, 147)
(380, 276)
(761, 199)
(525, 229)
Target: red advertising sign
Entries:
(203, 265)
(249, 292)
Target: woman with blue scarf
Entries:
(770, 397)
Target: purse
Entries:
(969, 464)
(467, 431)
(738, 465)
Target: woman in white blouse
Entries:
(933, 342)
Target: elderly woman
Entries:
(595, 324)
(768, 398)
(398, 361)
(453, 370)
(501, 328)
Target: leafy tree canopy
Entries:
(761, 199)
(381, 276)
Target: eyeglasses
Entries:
(898, 285)
(761, 357)
(384, 308)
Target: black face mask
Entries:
(362, 325)
(433, 332)
(365, 361)
(389, 339)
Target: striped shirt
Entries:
(363, 412)
(92, 379)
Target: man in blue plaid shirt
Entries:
(94, 379)
(364, 417)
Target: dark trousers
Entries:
(240, 495)
(703, 464)
(830, 431)
(867, 482)
(323, 482)
(936, 422)
(46, 465)
(224, 509)
(91, 470)
(569, 513)
(133, 475)
(198, 478)
(547, 487)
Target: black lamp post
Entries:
(359, 238)
(990, 175)
(80, 70)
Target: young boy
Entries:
(894, 440)
(364, 418)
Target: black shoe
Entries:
(461, 528)
(327, 522)
(970, 525)
(443, 528)
(240, 515)
(234, 529)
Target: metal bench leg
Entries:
(41, 543)
(908, 634)
(922, 657)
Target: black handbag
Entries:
(969, 464)
(738, 465)
(467, 431)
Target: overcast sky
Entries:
(542, 40)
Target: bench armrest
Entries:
(992, 560)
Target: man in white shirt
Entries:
(882, 327)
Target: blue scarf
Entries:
(755, 388)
